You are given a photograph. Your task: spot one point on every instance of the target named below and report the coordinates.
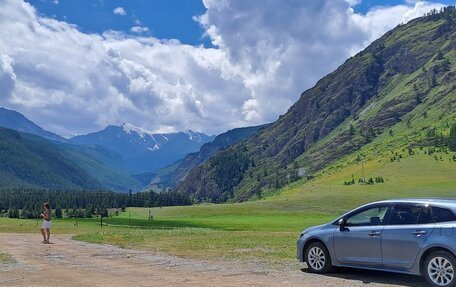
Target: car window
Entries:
(405, 214)
(371, 216)
(442, 214)
(425, 216)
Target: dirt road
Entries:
(71, 263)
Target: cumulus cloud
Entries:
(279, 48)
(119, 11)
(266, 55)
(7, 77)
(381, 19)
(139, 29)
(354, 2)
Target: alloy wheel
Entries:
(316, 258)
(440, 271)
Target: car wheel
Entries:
(439, 269)
(317, 258)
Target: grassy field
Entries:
(264, 230)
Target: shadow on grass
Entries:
(156, 224)
(378, 277)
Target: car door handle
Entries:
(419, 232)
(375, 233)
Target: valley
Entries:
(260, 233)
(381, 126)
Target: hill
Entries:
(173, 174)
(30, 161)
(397, 94)
(16, 121)
(105, 166)
(142, 150)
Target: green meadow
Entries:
(264, 230)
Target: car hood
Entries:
(313, 228)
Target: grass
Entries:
(263, 230)
(269, 247)
(5, 259)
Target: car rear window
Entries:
(442, 214)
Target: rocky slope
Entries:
(401, 78)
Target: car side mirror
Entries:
(342, 223)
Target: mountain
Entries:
(30, 161)
(171, 175)
(141, 150)
(16, 121)
(112, 155)
(107, 167)
(398, 93)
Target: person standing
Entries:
(46, 225)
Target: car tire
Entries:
(440, 269)
(317, 258)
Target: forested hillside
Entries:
(30, 161)
(397, 93)
(172, 175)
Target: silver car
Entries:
(411, 236)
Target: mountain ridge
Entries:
(407, 69)
(31, 161)
(171, 175)
(142, 150)
(16, 121)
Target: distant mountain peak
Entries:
(142, 149)
(129, 128)
(193, 136)
(14, 120)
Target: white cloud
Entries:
(139, 29)
(119, 11)
(280, 48)
(381, 19)
(7, 76)
(354, 2)
(70, 82)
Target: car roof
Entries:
(434, 201)
(448, 202)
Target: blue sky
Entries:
(165, 19)
(76, 66)
(365, 5)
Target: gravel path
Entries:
(72, 263)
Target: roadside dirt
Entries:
(72, 263)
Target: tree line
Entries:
(28, 203)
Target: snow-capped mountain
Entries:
(143, 150)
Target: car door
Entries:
(359, 242)
(410, 225)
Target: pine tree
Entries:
(58, 212)
(352, 130)
(452, 138)
(89, 211)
